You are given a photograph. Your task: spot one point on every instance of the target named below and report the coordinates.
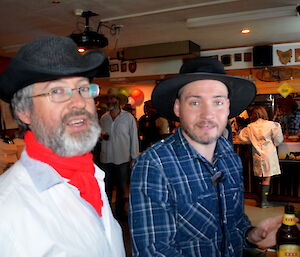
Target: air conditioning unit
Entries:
(162, 50)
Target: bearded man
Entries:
(186, 194)
(53, 200)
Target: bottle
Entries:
(288, 235)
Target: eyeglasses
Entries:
(63, 94)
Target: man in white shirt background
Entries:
(119, 148)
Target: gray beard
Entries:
(66, 145)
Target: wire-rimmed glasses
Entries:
(63, 94)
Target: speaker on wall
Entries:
(262, 55)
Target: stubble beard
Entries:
(204, 139)
(64, 144)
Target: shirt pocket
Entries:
(197, 217)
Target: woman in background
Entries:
(264, 135)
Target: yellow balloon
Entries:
(124, 91)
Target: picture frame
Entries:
(297, 55)
(114, 67)
(248, 57)
(132, 66)
(226, 59)
(238, 57)
(123, 67)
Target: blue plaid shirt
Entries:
(179, 206)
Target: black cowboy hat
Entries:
(45, 59)
(241, 91)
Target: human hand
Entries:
(264, 235)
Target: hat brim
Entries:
(20, 74)
(241, 92)
(123, 99)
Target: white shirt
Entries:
(122, 145)
(41, 215)
(264, 136)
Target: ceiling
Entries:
(153, 21)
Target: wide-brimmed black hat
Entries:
(45, 59)
(241, 91)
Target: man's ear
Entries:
(24, 117)
(176, 107)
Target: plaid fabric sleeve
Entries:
(152, 219)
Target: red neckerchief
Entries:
(78, 169)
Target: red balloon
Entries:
(138, 96)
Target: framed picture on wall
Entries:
(226, 59)
(297, 55)
(247, 57)
(238, 57)
(123, 67)
(114, 67)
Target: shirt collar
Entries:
(42, 175)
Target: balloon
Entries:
(124, 91)
(138, 96)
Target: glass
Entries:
(63, 94)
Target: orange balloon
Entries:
(136, 93)
(138, 96)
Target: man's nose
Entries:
(77, 100)
(207, 110)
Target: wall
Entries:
(239, 66)
(154, 67)
(162, 67)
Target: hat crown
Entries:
(241, 91)
(51, 53)
(47, 58)
(202, 65)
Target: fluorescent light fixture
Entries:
(241, 16)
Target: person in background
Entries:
(53, 200)
(119, 148)
(284, 109)
(152, 127)
(265, 136)
(186, 194)
(294, 121)
(129, 108)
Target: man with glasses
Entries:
(186, 195)
(53, 200)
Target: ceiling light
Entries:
(245, 31)
(241, 16)
(81, 49)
